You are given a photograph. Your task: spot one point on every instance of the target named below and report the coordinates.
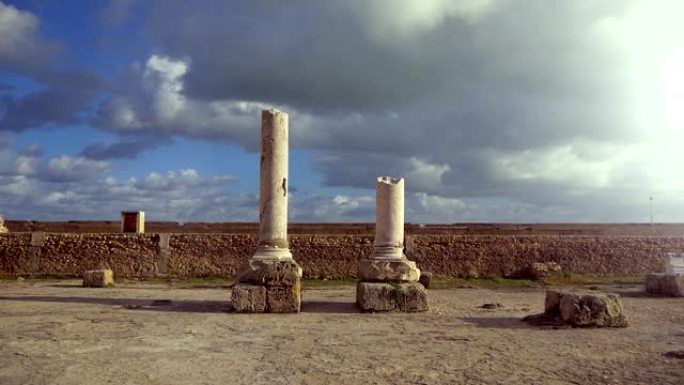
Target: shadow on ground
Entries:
(187, 306)
(136, 304)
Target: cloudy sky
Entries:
(493, 110)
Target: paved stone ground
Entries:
(55, 332)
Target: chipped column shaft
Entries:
(273, 187)
(389, 219)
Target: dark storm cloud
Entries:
(312, 55)
(22, 48)
(527, 106)
(127, 149)
(63, 100)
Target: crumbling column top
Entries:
(390, 180)
(273, 111)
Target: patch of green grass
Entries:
(491, 282)
(589, 279)
(186, 283)
(565, 279)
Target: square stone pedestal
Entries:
(98, 278)
(390, 285)
(665, 284)
(268, 286)
(382, 296)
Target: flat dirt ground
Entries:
(55, 332)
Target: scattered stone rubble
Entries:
(540, 271)
(98, 278)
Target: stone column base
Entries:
(98, 278)
(381, 296)
(665, 284)
(388, 270)
(265, 286)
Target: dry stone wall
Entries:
(491, 255)
(325, 256)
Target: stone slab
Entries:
(284, 299)
(270, 273)
(411, 297)
(388, 271)
(665, 284)
(375, 296)
(98, 278)
(247, 298)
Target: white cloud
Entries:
(425, 208)
(425, 176)
(180, 179)
(21, 47)
(89, 193)
(154, 101)
(67, 168)
(396, 21)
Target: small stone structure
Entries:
(3, 229)
(133, 222)
(270, 281)
(665, 284)
(672, 282)
(675, 263)
(388, 280)
(581, 309)
(98, 278)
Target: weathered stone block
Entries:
(665, 284)
(247, 298)
(374, 296)
(284, 299)
(425, 279)
(98, 278)
(653, 283)
(411, 297)
(581, 310)
(270, 273)
(388, 271)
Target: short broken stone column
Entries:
(98, 278)
(672, 282)
(270, 282)
(665, 284)
(388, 280)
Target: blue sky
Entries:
(493, 111)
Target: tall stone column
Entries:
(273, 187)
(389, 219)
(270, 281)
(388, 280)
